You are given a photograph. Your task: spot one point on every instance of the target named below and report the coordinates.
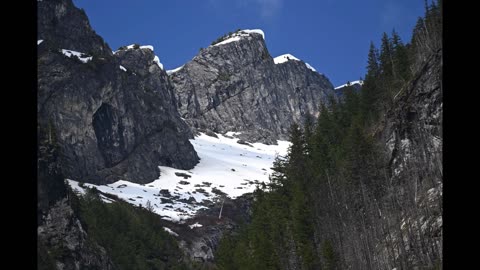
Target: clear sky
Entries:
(331, 35)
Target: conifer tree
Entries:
(400, 59)
(386, 56)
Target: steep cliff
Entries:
(113, 114)
(235, 85)
(412, 134)
(63, 242)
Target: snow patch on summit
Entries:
(287, 57)
(310, 67)
(258, 31)
(238, 35)
(284, 58)
(157, 61)
(83, 57)
(174, 70)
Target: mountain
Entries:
(235, 85)
(113, 115)
(412, 134)
(142, 168)
(361, 187)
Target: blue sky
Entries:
(331, 35)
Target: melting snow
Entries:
(174, 70)
(351, 83)
(258, 31)
(123, 68)
(195, 225)
(170, 231)
(129, 47)
(310, 67)
(80, 55)
(105, 199)
(76, 187)
(225, 166)
(228, 40)
(238, 35)
(157, 61)
(287, 57)
(150, 47)
(284, 58)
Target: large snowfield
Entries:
(225, 166)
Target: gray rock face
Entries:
(110, 124)
(413, 139)
(413, 127)
(237, 87)
(67, 241)
(64, 26)
(200, 244)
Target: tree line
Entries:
(331, 202)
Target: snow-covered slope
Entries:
(284, 58)
(240, 34)
(174, 70)
(225, 166)
(288, 57)
(351, 83)
(83, 57)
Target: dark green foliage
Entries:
(45, 260)
(133, 237)
(50, 181)
(386, 56)
(330, 257)
(400, 59)
(328, 155)
(321, 209)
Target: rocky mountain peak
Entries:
(113, 116)
(235, 85)
(63, 25)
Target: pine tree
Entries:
(373, 69)
(386, 56)
(370, 94)
(400, 59)
(309, 127)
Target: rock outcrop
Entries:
(413, 139)
(200, 243)
(113, 114)
(235, 85)
(413, 127)
(63, 243)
